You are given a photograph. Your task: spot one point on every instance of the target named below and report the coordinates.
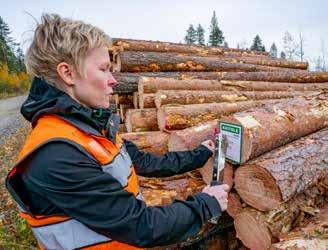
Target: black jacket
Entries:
(60, 179)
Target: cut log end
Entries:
(128, 123)
(161, 120)
(257, 187)
(234, 205)
(253, 234)
(176, 143)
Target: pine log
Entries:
(312, 236)
(207, 171)
(271, 126)
(157, 46)
(302, 243)
(154, 142)
(180, 117)
(135, 61)
(129, 81)
(270, 62)
(147, 100)
(141, 120)
(234, 204)
(189, 138)
(114, 58)
(136, 100)
(122, 128)
(280, 174)
(162, 191)
(258, 230)
(272, 86)
(154, 84)
(123, 109)
(242, 56)
(185, 97)
(123, 99)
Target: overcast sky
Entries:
(168, 20)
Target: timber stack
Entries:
(171, 97)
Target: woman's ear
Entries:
(65, 71)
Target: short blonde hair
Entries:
(59, 40)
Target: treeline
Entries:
(13, 76)
(292, 48)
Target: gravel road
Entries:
(10, 117)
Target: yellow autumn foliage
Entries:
(13, 82)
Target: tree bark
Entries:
(123, 109)
(280, 174)
(157, 46)
(162, 191)
(141, 120)
(185, 97)
(123, 99)
(301, 243)
(128, 82)
(271, 126)
(134, 61)
(258, 230)
(189, 138)
(270, 62)
(154, 142)
(180, 117)
(272, 86)
(147, 100)
(312, 236)
(153, 84)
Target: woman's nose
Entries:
(111, 81)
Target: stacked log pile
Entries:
(171, 97)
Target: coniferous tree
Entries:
(8, 48)
(257, 44)
(273, 51)
(13, 76)
(200, 35)
(216, 37)
(282, 55)
(191, 36)
(20, 60)
(225, 45)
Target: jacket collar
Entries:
(46, 99)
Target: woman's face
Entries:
(95, 87)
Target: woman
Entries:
(75, 181)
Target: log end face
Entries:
(128, 123)
(257, 187)
(161, 119)
(176, 142)
(252, 232)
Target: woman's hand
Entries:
(220, 193)
(209, 144)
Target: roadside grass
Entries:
(14, 231)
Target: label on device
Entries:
(233, 132)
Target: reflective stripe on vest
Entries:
(62, 232)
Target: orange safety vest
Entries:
(64, 232)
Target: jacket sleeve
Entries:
(171, 163)
(72, 183)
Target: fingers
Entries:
(225, 187)
(209, 144)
